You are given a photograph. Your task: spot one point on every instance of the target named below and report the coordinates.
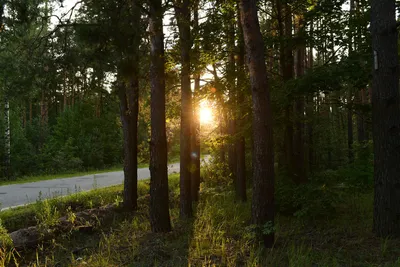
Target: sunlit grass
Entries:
(220, 234)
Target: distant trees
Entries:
(386, 118)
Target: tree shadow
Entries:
(166, 249)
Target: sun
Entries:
(206, 116)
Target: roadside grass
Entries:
(220, 234)
(25, 216)
(38, 178)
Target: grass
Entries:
(218, 235)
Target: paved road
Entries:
(20, 194)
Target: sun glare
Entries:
(206, 116)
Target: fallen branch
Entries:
(83, 221)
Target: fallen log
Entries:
(82, 221)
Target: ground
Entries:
(219, 235)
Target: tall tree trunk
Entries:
(230, 69)
(159, 198)
(182, 13)
(129, 107)
(350, 138)
(285, 26)
(196, 113)
(365, 101)
(65, 92)
(310, 110)
(360, 118)
(263, 156)
(221, 115)
(386, 118)
(240, 141)
(299, 174)
(195, 143)
(7, 139)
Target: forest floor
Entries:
(218, 235)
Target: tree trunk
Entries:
(196, 109)
(360, 119)
(230, 75)
(350, 138)
(7, 139)
(182, 14)
(222, 115)
(240, 141)
(285, 26)
(310, 110)
(159, 198)
(129, 107)
(65, 92)
(386, 118)
(263, 156)
(299, 174)
(195, 183)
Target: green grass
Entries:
(220, 234)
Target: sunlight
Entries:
(206, 116)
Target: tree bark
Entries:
(159, 198)
(263, 156)
(195, 173)
(285, 26)
(182, 13)
(196, 115)
(386, 118)
(300, 174)
(310, 110)
(7, 139)
(129, 107)
(350, 137)
(240, 187)
(360, 119)
(230, 75)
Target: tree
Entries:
(241, 141)
(159, 199)
(182, 13)
(195, 179)
(386, 118)
(263, 155)
(129, 106)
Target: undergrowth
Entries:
(221, 233)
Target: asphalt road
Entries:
(20, 194)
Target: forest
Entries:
(284, 116)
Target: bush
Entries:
(313, 200)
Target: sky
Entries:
(59, 11)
